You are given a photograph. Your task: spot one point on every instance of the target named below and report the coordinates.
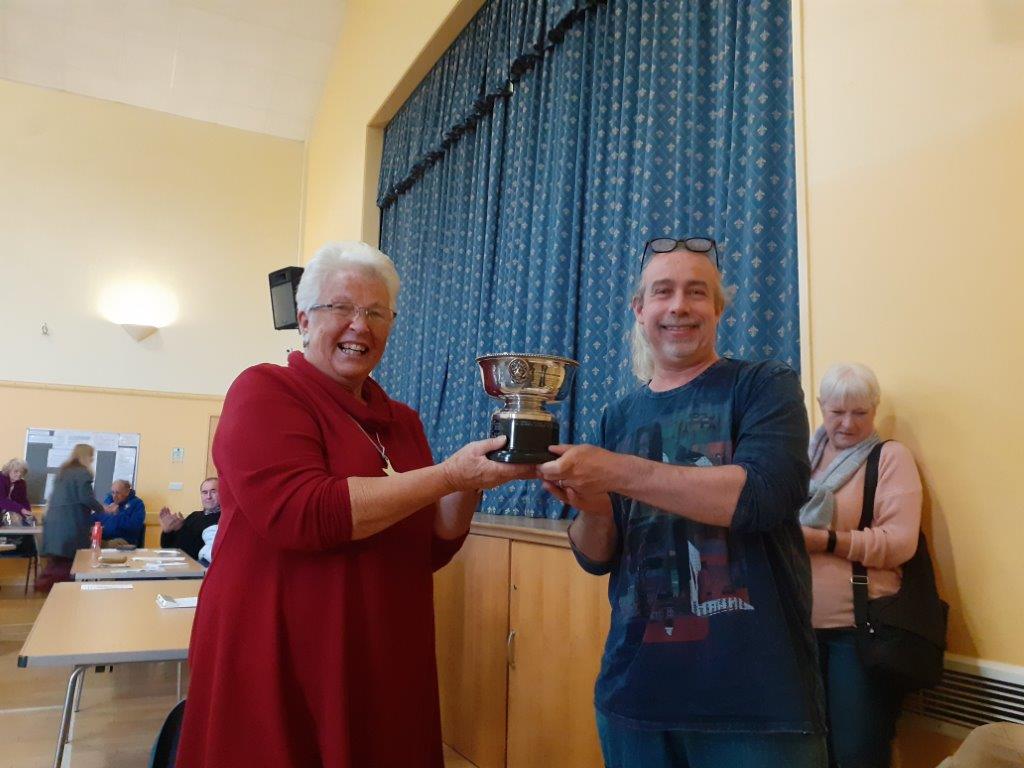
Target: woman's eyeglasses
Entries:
(669, 244)
(379, 317)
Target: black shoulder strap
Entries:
(867, 511)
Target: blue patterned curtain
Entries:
(520, 181)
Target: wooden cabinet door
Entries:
(471, 629)
(560, 617)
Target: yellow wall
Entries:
(380, 41)
(164, 421)
(96, 193)
(915, 181)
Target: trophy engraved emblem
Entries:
(519, 370)
(526, 383)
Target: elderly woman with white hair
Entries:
(15, 508)
(313, 641)
(14, 491)
(862, 704)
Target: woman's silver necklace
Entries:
(389, 470)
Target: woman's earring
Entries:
(305, 341)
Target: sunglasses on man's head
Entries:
(669, 244)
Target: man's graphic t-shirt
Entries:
(711, 626)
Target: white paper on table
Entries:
(166, 601)
(164, 567)
(91, 587)
(149, 559)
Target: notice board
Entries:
(116, 457)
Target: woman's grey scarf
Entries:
(820, 508)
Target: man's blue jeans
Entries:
(629, 748)
(862, 706)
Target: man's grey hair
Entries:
(642, 358)
(343, 256)
(126, 484)
(850, 384)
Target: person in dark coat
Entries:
(66, 524)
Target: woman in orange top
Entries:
(862, 705)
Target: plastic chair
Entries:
(165, 750)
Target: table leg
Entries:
(65, 720)
(78, 694)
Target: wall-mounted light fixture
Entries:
(140, 307)
(139, 332)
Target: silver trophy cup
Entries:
(526, 383)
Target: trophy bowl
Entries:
(525, 382)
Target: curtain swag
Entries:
(501, 43)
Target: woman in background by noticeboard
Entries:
(66, 525)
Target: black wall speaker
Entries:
(283, 284)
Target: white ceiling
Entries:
(253, 64)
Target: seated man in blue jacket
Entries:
(124, 514)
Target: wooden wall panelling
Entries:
(471, 628)
(560, 617)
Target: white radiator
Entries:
(973, 692)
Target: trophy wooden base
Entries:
(528, 440)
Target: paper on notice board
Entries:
(124, 464)
(57, 456)
(105, 441)
(39, 436)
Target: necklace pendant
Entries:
(388, 469)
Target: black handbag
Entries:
(904, 635)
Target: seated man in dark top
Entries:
(186, 533)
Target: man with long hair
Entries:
(690, 503)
